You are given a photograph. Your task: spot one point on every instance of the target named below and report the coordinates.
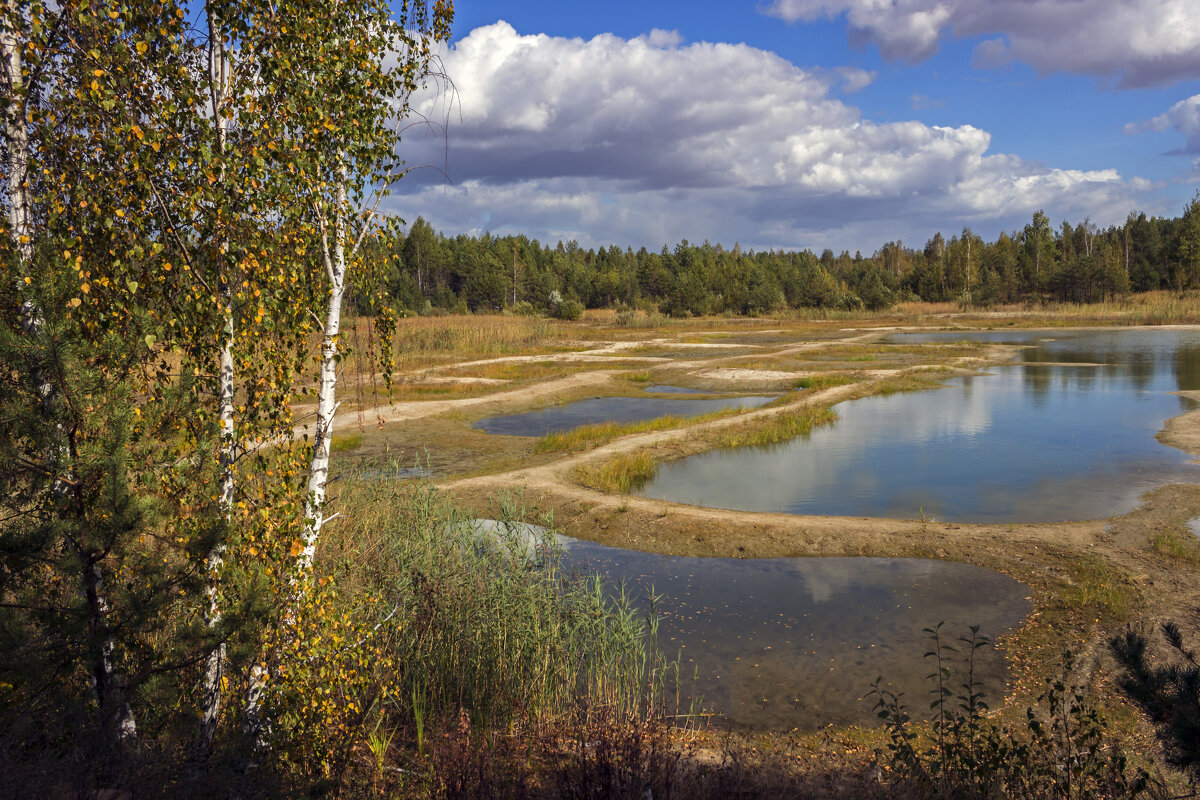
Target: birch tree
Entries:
(361, 89)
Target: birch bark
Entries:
(218, 66)
(318, 476)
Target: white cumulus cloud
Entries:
(1184, 117)
(649, 141)
(1139, 42)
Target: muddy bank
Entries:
(1183, 432)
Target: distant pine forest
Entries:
(428, 272)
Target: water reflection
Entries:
(1050, 439)
(609, 409)
(662, 388)
(796, 642)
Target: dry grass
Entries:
(1150, 308)
(424, 341)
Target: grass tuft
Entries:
(825, 380)
(342, 443)
(600, 432)
(1097, 586)
(767, 431)
(1172, 545)
(618, 475)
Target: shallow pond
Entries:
(662, 388)
(796, 642)
(608, 409)
(1066, 433)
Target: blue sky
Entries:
(808, 123)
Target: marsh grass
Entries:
(1148, 308)
(770, 430)
(531, 371)
(448, 389)
(620, 474)
(423, 341)
(598, 433)
(627, 472)
(919, 382)
(478, 630)
(823, 381)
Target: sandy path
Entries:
(416, 409)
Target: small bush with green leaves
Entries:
(1062, 752)
(569, 309)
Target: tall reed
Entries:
(480, 629)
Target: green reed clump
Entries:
(769, 430)
(600, 432)
(824, 380)
(1100, 587)
(490, 631)
(1173, 545)
(620, 474)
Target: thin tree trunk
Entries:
(257, 725)
(968, 270)
(1126, 248)
(318, 476)
(16, 136)
(107, 685)
(215, 665)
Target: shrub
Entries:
(523, 308)
(1063, 751)
(569, 309)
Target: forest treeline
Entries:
(426, 270)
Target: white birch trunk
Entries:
(257, 726)
(16, 135)
(215, 665)
(107, 684)
(318, 475)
